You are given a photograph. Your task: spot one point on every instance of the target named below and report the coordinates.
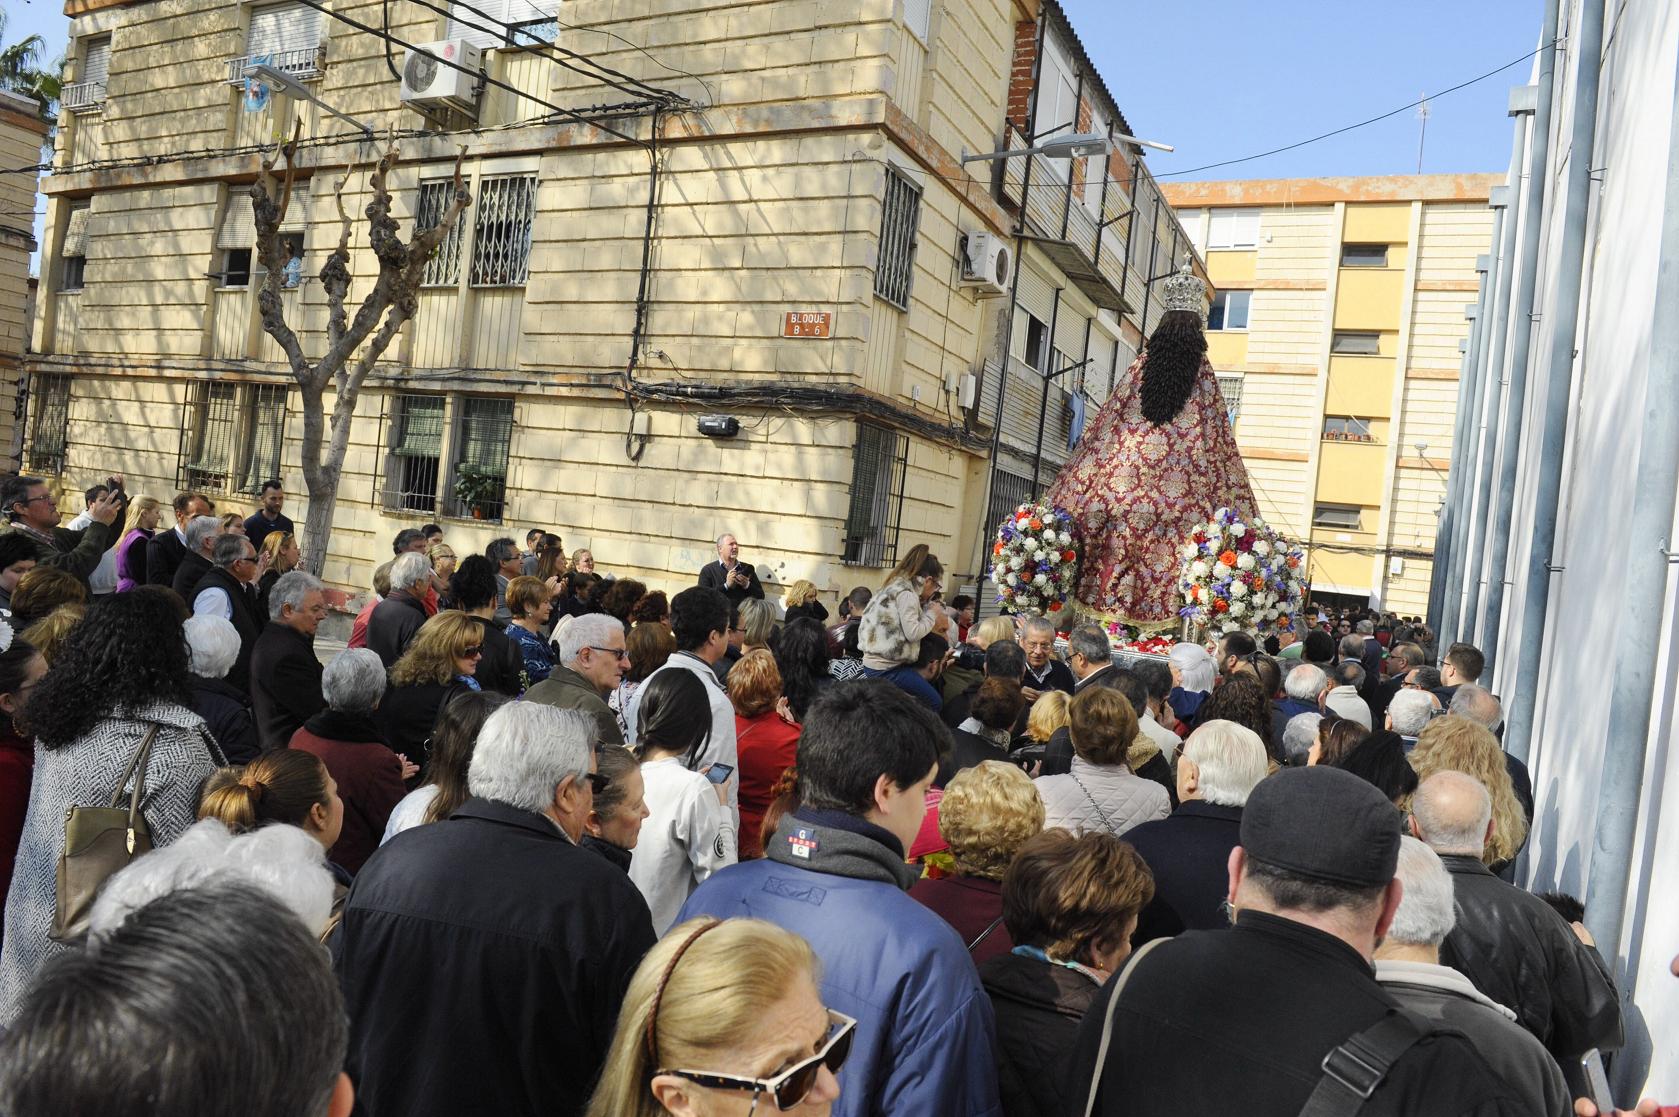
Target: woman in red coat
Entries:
(21, 667)
(767, 741)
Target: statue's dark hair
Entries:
(1171, 363)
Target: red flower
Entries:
(997, 550)
(1228, 558)
(1069, 556)
(1221, 606)
(1200, 537)
(1055, 607)
(1036, 525)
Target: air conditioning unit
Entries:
(987, 263)
(427, 81)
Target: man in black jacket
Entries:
(396, 619)
(483, 958)
(1510, 943)
(1249, 1016)
(285, 674)
(167, 548)
(735, 579)
(202, 533)
(225, 591)
(1003, 660)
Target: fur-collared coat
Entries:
(889, 635)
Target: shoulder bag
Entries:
(98, 842)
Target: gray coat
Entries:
(85, 773)
(1100, 797)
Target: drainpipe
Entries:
(1518, 733)
(1536, 99)
(1445, 596)
(1650, 530)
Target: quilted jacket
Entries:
(1100, 797)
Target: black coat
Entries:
(503, 664)
(483, 960)
(1057, 676)
(285, 684)
(1037, 1007)
(187, 575)
(815, 610)
(1189, 853)
(408, 714)
(243, 603)
(713, 577)
(969, 750)
(227, 711)
(163, 557)
(1519, 951)
(392, 625)
(1271, 997)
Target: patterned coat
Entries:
(889, 635)
(1136, 492)
(85, 773)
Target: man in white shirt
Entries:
(103, 580)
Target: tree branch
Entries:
(268, 217)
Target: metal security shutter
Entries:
(879, 466)
(297, 213)
(1070, 328)
(421, 427)
(1037, 297)
(416, 450)
(278, 28)
(1099, 373)
(495, 27)
(268, 433)
(444, 267)
(501, 240)
(96, 62)
(75, 233)
(239, 227)
(900, 220)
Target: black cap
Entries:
(1325, 824)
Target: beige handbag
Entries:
(99, 842)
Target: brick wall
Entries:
(1020, 74)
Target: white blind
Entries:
(282, 27)
(75, 234)
(493, 27)
(1069, 335)
(1233, 228)
(297, 213)
(96, 62)
(239, 227)
(1036, 296)
(918, 17)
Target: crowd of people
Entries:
(574, 845)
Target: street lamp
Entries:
(280, 80)
(1078, 146)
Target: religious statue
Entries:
(1158, 462)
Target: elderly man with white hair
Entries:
(495, 915)
(1303, 688)
(285, 672)
(1189, 849)
(1299, 735)
(212, 646)
(1409, 714)
(397, 619)
(1510, 943)
(200, 534)
(590, 664)
(1043, 671)
(1408, 967)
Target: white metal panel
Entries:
(1233, 228)
(75, 233)
(238, 227)
(494, 28)
(297, 212)
(96, 63)
(918, 17)
(286, 26)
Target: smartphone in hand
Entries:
(719, 773)
(1597, 1082)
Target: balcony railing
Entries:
(83, 96)
(1091, 254)
(302, 64)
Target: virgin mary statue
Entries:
(1158, 462)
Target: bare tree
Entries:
(353, 344)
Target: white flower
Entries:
(1041, 580)
(1198, 569)
(1220, 570)
(1244, 562)
(1261, 548)
(1016, 563)
(1237, 608)
(1238, 530)
(1237, 589)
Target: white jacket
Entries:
(686, 837)
(890, 631)
(722, 748)
(1100, 797)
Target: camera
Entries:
(968, 656)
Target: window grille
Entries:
(49, 428)
(483, 439)
(266, 414)
(1008, 492)
(211, 437)
(501, 238)
(444, 267)
(73, 256)
(900, 218)
(1346, 517)
(416, 451)
(1360, 344)
(1230, 387)
(878, 470)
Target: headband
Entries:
(664, 980)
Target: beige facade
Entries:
(21, 134)
(1341, 305)
(806, 163)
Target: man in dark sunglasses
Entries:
(592, 661)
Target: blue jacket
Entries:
(924, 1042)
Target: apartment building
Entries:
(22, 132)
(1341, 305)
(725, 269)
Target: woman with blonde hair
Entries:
(143, 516)
(757, 623)
(801, 602)
(987, 813)
(1459, 745)
(283, 555)
(724, 1016)
(992, 629)
(49, 634)
(441, 663)
(1048, 714)
(443, 562)
(890, 632)
(287, 786)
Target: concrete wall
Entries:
(21, 135)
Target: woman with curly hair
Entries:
(802, 601)
(801, 655)
(438, 666)
(767, 743)
(1459, 745)
(653, 608)
(122, 679)
(1242, 699)
(620, 599)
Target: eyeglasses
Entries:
(473, 652)
(45, 496)
(597, 782)
(789, 1088)
(622, 655)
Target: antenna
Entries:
(1423, 113)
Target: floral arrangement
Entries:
(1034, 561)
(1129, 638)
(1240, 575)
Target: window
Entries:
(1360, 344)
(231, 436)
(494, 22)
(1364, 255)
(87, 92)
(918, 17)
(1008, 492)
(416, 452)
(483, 436)
(49, 422)
(900, 217)
(444, 267)
(1230, 387)
(234, 239)
(1233, 228)
(879, 466)
(1191, 220)
(286, 36)
(1037, 335)
(1339, 428)
(293, 228)
(501, 238)
(1346, 517)
(1230, 310)
(73, 257)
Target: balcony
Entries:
(302, 64)
(1090, 254)
(83, 96)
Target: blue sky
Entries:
(1220, 79)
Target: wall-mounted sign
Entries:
(807, 323)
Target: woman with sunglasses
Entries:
(689, 832)
(723, 1018)
(440, 664)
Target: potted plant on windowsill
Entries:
(474, 488)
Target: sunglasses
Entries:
(473, 652)
(618, 653)
(789, 1088)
